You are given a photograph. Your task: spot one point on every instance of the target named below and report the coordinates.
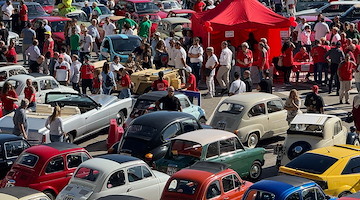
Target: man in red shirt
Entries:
(87, 75)
(199, 6)
(345, 72)
(23, 14)
(191, 80)
(30, 93)
(160, 84)
(125, 83)
(320, 64)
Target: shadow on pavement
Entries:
(269, 172)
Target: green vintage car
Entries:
(212, 145)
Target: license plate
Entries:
(171, 170)
(68, 198)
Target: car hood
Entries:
(23, 176)
(76, 190)
(307, 12)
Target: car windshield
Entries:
(68, 98)
(259, 195)
(35, 10)
(141, 107)
(104, 10)
(146, 7)
(335, 8)
(306, 129)
(171, 4)
(182, 186)
(88, 174)
(45, 2)
(27, 159)
(312, 163)
(186, 148)
(141, 131)
(231, 108)
(57, 26)
(124, 46)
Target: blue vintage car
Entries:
(118, 45)
(285, 187)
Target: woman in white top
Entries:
(211, 64)
(55, 125)
(127, 30)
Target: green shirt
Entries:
(97, 9)
(144, 29)
(75, 42)
(122, 21)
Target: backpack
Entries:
(109, 81)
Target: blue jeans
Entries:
(124, 93)
(196, 70)
(56, 138)
(318, 70)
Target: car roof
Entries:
(155, 95)
(8, 67)
(338, 151)
(250, 98)
(212, 167)
(278, 185)
(205, 136)
(176, 20)
(181, 11)
(162, 118)
(353, 196)
(122, 36)
(118, 158)
(8, 137)
(307, 118)
(18, 192)
(53, 18)
(24, 77)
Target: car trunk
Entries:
(22, 175)
(137, 147)
(77, 190)
(226, 121)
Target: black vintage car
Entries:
(147, 137)
(11, 147)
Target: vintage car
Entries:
(11, 147)
(82, 115)
(118, 45)
(143, 79)
(351, 14)
(48, 5)
(185, 13)
(114, 174)
(21, 193)
(57, 25)
(47, 168)
(212, 145)
(34, 9)
(105, 12)
(355, 196)
(285, 188)
(311, 131)
(331, 9)
(168, 5)
(336, 169)
(149, 141)
(309, 4)
(138, 7)
(206, 184)
(11, 70)
(252, 116)
(145, 103)
(176, 24)
(42, 83)
(80, 16)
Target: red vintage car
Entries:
(186, 13)
(205, 180)
(138, 7)
(47, 168)
(48, 5)
(57, 25)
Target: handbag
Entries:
(208, 71)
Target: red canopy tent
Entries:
(239, 18)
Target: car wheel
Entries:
(69, 138)
(253, 140)
(202, 120)
(345, 193)
(255, 170)
(120, 118)
(356, 143)
(50, 194)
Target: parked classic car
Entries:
(185, 13)
(206, 184)
(351, 14)
(336, 169)
(331, 9)
(118, 45)
(114, 174)
(145, 103)
(34, 9)
(137, 7)
(120, 197)
(311, 131)
(21, 193)
(149, 141)
(252, 116)
(212, 145)
(11, 70)
(47, 168)
(285, 188)
(309, 4)
(48, 5)
(168, 5)
(81, 114)
(176, 24)
(105, 11)
(11, 147)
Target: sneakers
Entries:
(209, 96)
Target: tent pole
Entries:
(208, 39)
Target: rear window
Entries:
(186, 148)
(259, 195)
(141, 131)
(306, 129)
(312, 163)
(182, 186)
(87, 174)
(231, 108)
(27, 159)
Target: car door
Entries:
(142, 183)
(257, 115)
(115, 184)
(276, 117)
(339, 136)
(231, 186)
(313, 193)
(54, 174)
(350, 175)
(213, 191)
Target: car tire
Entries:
(120, 118)
(356, 143)
(255, 171)
(69, 138)
(253, 140)
(50, 194)
(345, 193)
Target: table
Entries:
(300, 67)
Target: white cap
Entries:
(188, 69)
(157, 33)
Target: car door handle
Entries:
(129, 190)
(69, 174)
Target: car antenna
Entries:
(327, 150)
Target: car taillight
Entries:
(322, 184)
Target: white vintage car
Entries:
(114, 174)
(252, 116)
(11, 70)
(310, 131)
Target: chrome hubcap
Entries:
(252, 141)
(254, 171)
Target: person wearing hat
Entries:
(62, 71)
(48, 49)
(86, 44)
(161, 84)
(87, 75)
(191, 80)
(314, 102)
(335, 56)
(211, 63)
(144, 28)
(156, 39)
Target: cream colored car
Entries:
(310, 131)
(252, 116)
(21, 193)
